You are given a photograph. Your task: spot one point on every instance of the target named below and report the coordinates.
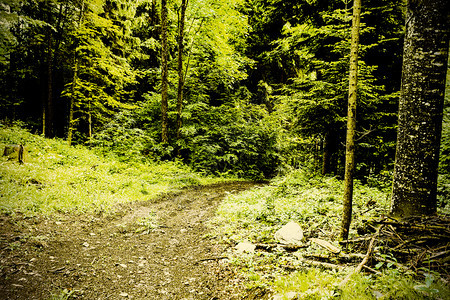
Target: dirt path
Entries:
(96, 258)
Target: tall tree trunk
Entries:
(71, 125)
(181, 22)
(425, 60)
(351, 123)
(49, 105)
(154, 17)
(164, 74)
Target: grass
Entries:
(310, 200)
(57, 178)
(319, 284)
(315, 203)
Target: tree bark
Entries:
(181, 22)
(164, 74)
(71, 125)
(425, 59)
(351, 122)
(48, 109)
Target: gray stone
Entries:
(291, 233)
(245, 247)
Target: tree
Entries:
(164, 74)
(72, 97)
(100, 85)
(180, 41)
(420, 113)
(351, 122)
(312, 55)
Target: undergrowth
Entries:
(315, 203)
(60, 178)
(310, 200)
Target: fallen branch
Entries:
(413, 226)
(372, 270)
(322, 264)
(210, 259)
(357, 240)
(439, 254)
(365, 260)
(287, 247)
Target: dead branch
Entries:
(322, 264)
(372, 270)
(366, 257)
(210, 259)
(287, 247)
(357, 240)
(439, 254)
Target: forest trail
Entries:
(121, 257)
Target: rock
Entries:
(245, 247)
(291, 233)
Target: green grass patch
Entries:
(64, 179)
(319, 284)
(315, 202)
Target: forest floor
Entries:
(158, 249)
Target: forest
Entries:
(336, 111)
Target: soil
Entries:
(113, 257)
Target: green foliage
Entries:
(320, 284)
(64, 294)
(315, 203)
(311, 200)
(58, 178)
(444, 159)
(302, 52)
(121, 137)
(102, 43)
(229, 139)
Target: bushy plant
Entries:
(231, 138)
(123, 138)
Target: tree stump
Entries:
(15, 152)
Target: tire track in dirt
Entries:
(90, 257)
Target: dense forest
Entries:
(254, 87)
(308, 93)
(262, 84)
(242, 87)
